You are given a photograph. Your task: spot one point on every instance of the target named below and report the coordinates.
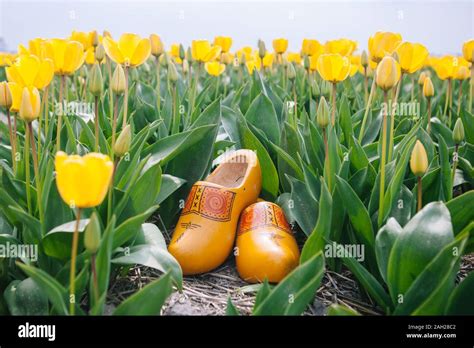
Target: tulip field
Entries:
(280, 170)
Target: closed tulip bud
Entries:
(306, 62)
(122, 145)
(106, 33)
(421, 78)
(462, 73)
(325, 88)
(5, 95)
(92, 234)
(83, 72)
(322, 115)
(315, 88)
(458, 132)
(189, 55)
(118, 80)
(261, 49)
(418, 160)
(291, 72)
(182, 52)
(100, 53)
(164, 60)
(172, 72)
(134, 76)
(96, 83)
(94, 38)
(428, 89)
(30, 104)
(185, 67)
(364, 59)
(156, 45)
(388, 73)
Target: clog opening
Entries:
(229, 174)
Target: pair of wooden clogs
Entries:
(207, 228)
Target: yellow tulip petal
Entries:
(74, 57)
(142, 52)
(112, 50)
(97, 176)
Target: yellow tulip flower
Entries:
(156, 45)
(202, 51)
(214, 68)
(311, 47)
(86, 39)
(224, 42)
(83, 181)
(30, 104)
(130, 50)
(16, 91)
(39, 47)
(280, 45)
(294, 58)
(382, 44)
(174, 52)
(90, 56)
(462, 73)
(244, 52)
(344, 47)
(227, 58)
(6, 58)
(252, 65)
(68, 56)
(467, 50)
(29, 70)
(333, 67)
(445, 67)
(267, 60)
(388, 73)
(411, 56)
(355, 65)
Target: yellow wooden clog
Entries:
(266, 247)
(205, 232)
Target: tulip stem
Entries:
(217, 87)
(455, 163)
(46, 113)
(12, 143)
(61, 111)
(383, 160)
(96, 104)
(109, 71)
(428, 128)
(333, 98)
(158, 84)
(110, 193)
(392, 118)
(366, 86)
(460, 97)
(471, 82)
(36, 169)
(125, 100)
(94, 278)
(114, 126)
(295, 110)
(412, 87)
(420, 195)
(326, 158)
(72, 273)
(175, 127)
(27, 169)
(367, 108)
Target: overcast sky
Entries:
(441, 25)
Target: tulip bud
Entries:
(306, 62)
(100, 53)
(156, 45)
(364, 59)
(325, 88)
(182, 52)
(421, 78)
(118, 80)
(322, 115)
(92, 234)
(94, 38)
(458, 132)
(185, 67)
(83, 71)
(5, 95)
(261, 49)
(418, 160)
(106, 34)
(291, 72)
(388, 73)
(134, 76)
(96, 83)
(122, 145)
(396, 57)
(30, 104)
(164, 60)
(428, 89)
(189, 55)
(315, 88)
(172, 72)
